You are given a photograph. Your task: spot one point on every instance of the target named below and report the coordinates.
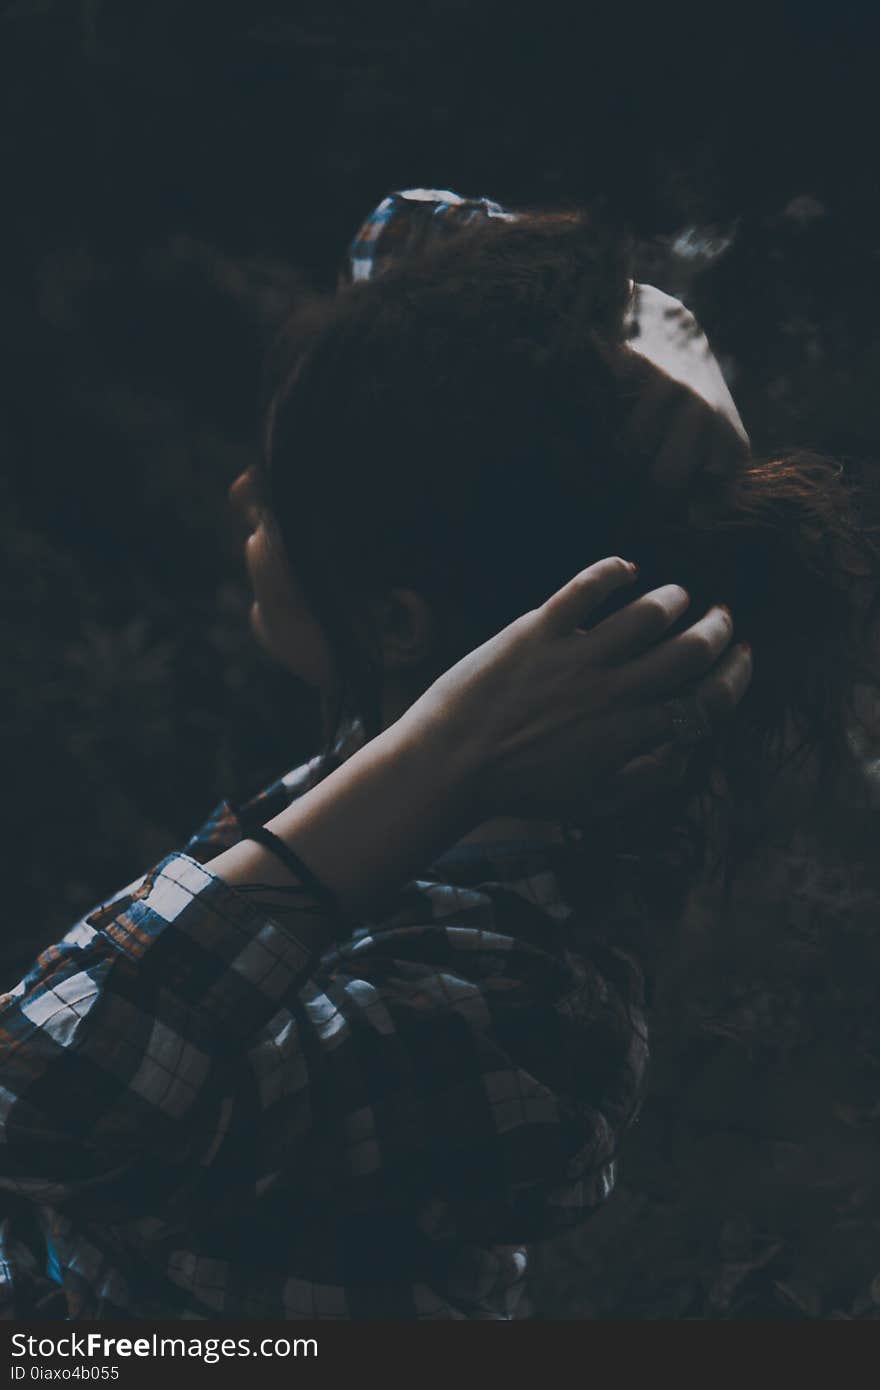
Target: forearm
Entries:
(189, 966)
(366, 828)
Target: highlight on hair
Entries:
(459, 426)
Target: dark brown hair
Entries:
(460, 426)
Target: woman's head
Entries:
(426, 436)
(450, 442)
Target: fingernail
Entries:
(633, 566)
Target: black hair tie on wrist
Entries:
(292, 861)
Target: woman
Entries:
(339, 1058)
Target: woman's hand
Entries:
(552, 714)
(545, 719)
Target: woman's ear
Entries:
(405, 628)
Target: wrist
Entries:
(404, 797)
(382, 815)
(445, 758)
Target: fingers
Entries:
(638, 626)
(682, 431)
(728, 450)
(570, 605)
(643, 777)
(663, 767)
(670, 424)
(720, 692)
(687, 657)
(714, 699)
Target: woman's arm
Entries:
(121, 1051)
(364, 829)
(543, 718)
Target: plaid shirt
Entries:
(205, 1121)
(208, 1123)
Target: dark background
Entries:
(174, 175)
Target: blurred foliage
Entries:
(175, 175)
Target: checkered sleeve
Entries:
(123, 1038)
(475, 1074)
(440, 1065)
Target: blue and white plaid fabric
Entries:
(209, 1123)
(404, 221)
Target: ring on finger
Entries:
(688, 722)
